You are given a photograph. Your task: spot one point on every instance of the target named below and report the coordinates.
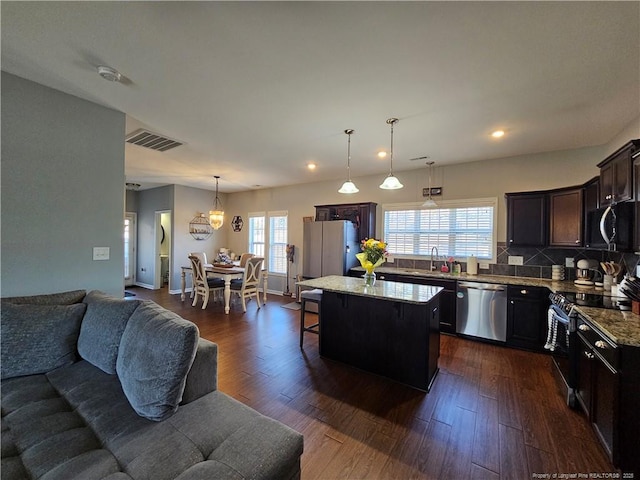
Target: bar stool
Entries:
(313, 296)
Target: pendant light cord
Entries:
(392, 122)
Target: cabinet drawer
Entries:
(522, 292)
(601, 345)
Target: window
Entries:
(278, 242)
(458, 229)
(275, 237)
(256, 234)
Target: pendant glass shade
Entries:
(348, 186)
(216, 216)
(429, 202)
(391, 182)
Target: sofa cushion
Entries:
(48, 438)
(156, 352)
(38, 338)
(102, 329)
(62, 298)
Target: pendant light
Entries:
(429, 202)
(348, 186)
(391, 182)
(216, 216)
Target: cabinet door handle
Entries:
(583, 328)
(577, 242)
(589, 355)
(602, 345)
(524, 292)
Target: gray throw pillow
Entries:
(155, 355)
(102, 329)
(38, 338)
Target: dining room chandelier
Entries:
(216, 216)
(391, 182)
(348, 186)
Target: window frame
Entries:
(250, 242)
(268, 244)
(447, 204)
(270, 235)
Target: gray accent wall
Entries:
(62, 191)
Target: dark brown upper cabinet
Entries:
(363, 215)
(527, 219)
(616, 175)
(566, 217)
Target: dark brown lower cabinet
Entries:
(527, 317)
(447, 296)
(397, 340)
(608, 392)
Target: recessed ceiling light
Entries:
(498, 134)
(382, 154)
(311, 166)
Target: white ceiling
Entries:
(257, 90)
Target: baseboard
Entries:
(144, 285)
(179, 291)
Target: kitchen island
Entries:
(390, 328)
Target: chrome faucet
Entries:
(432, 266)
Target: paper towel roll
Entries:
(472, 265)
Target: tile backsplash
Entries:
(536, 263)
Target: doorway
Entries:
(163, 230)
(130, 230)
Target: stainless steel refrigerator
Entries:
(329, 248)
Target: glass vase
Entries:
(369, 279)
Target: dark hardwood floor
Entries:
(493, 412)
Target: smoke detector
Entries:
(109, 73)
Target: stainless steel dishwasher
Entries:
(482, 310)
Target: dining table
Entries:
(227, 273)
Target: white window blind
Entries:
(278, 242)
(257, 234)
(457, 229)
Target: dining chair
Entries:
(201, 255)
(244, 258)
(251, 280)
(203, 285)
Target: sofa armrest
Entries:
(203, 376)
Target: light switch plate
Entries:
(568, 262)
(516, 260)
(390, 259)
(483, 266)
(101, 253)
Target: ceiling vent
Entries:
(147, 139)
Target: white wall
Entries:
(62, 191)
(489, 178)
(189, 202)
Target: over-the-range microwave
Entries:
(610, 228)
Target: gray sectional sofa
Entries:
(95, 387)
